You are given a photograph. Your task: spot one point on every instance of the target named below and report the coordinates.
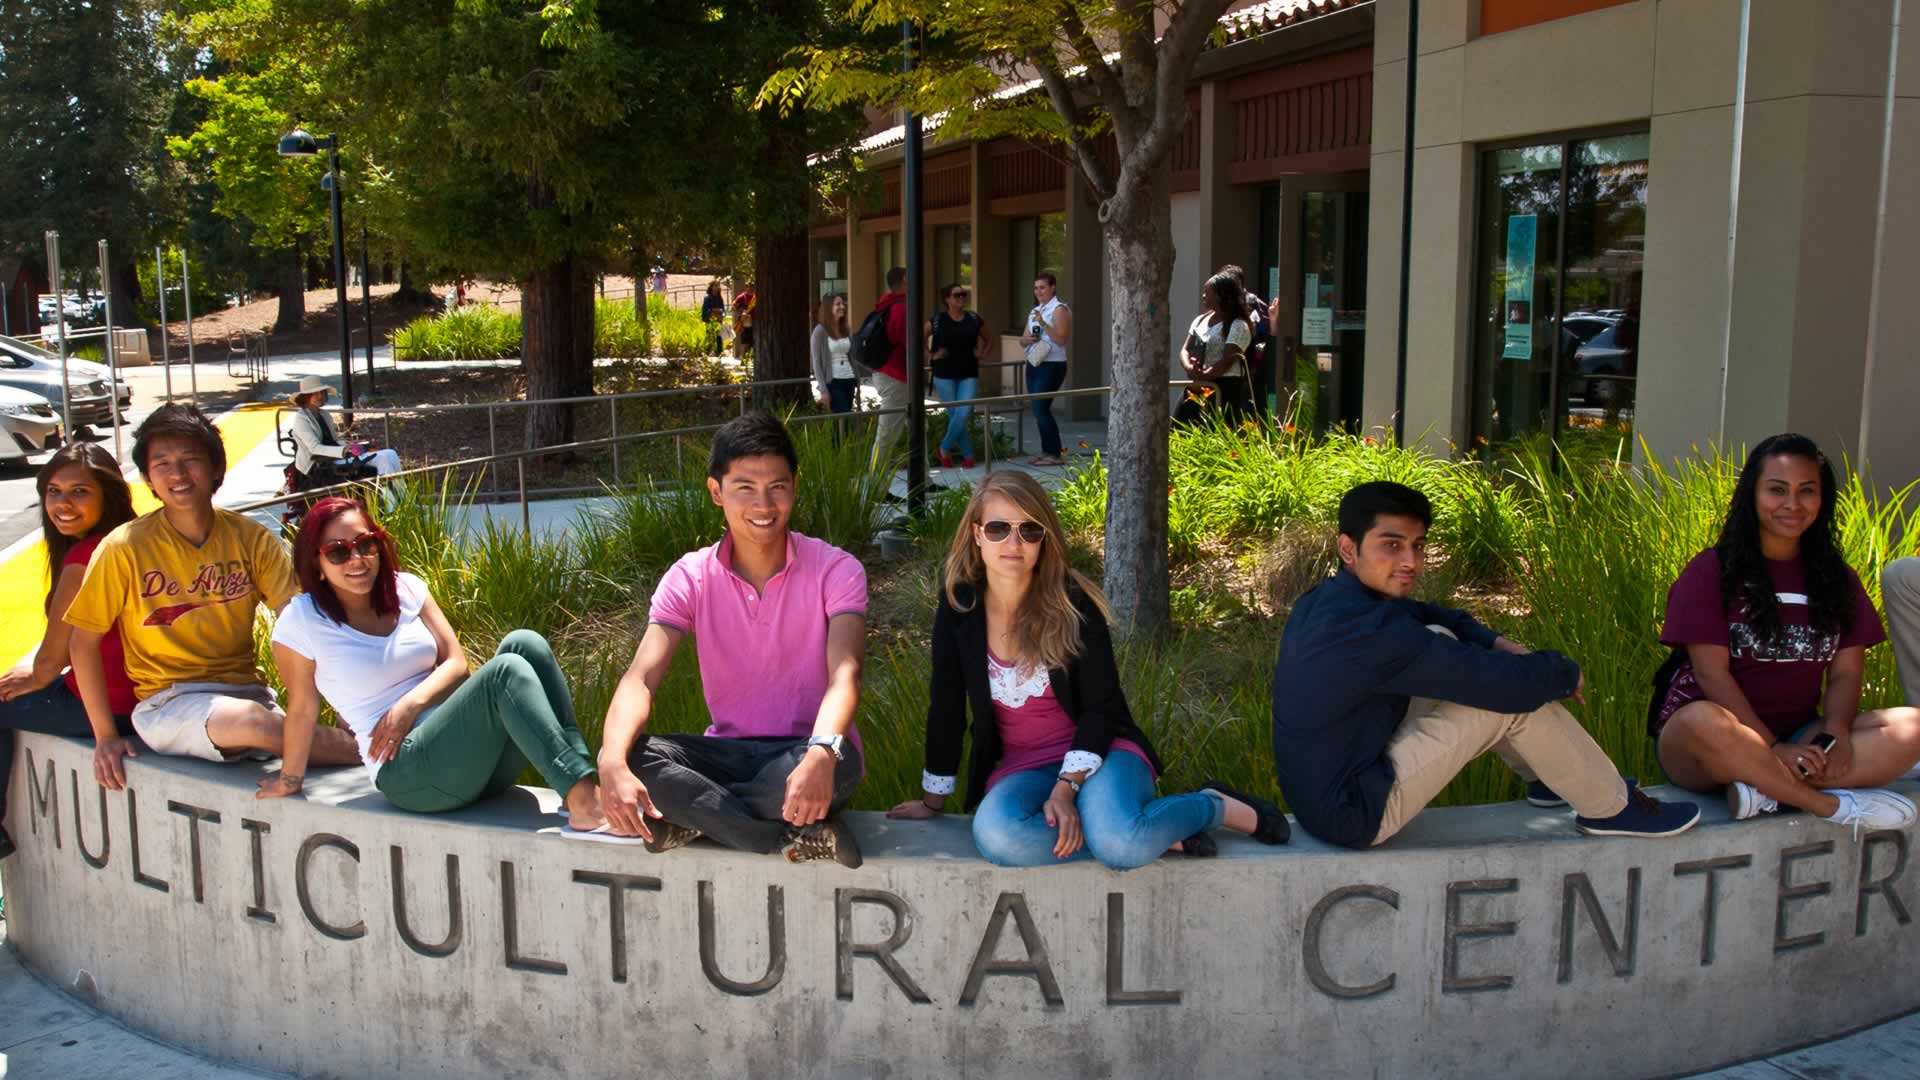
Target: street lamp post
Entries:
(297, 143)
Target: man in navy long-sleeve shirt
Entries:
(1379, 700)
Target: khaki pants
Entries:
(1900, 595)
(1439, 738)
(893, 395)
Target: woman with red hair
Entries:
(370, 639)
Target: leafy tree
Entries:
(1119, 67)
(83, 92)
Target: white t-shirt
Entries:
(360, 675)
(1217, 337)
(1043, 317)
(837, 350)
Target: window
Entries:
(1562, 257)
(830, 266)
(952, 258)
(1036, 244)
(888, 252)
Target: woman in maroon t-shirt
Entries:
(1772, 626)
(83, 497)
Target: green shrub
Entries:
(484, 332)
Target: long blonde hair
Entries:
(1046, 628)
(823, 315)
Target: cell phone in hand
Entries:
(1823, 742)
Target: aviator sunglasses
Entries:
(1031, 532)
(366, 545)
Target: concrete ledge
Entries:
(335, 936)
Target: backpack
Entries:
(1662, 682)
(871, 346)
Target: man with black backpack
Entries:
(886, 326)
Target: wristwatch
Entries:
(1070, 782)
(835, 744)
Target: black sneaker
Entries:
(1273, 827)
(1541, 795)
(667, 836)
(829, 839)
(1643, 816)
(6, 843)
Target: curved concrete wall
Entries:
(334, 936)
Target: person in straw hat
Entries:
(314, 437)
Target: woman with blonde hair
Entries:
(835, 383)
(1059, 770)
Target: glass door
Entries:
(1333, 309)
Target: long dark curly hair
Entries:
(1745, 586)
(116, 502)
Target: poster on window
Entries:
(1521, 231)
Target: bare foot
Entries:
(1177, 848)
(583, 806)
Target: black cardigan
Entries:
(1088, 690)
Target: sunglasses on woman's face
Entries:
(1031, 532)
(366, 546)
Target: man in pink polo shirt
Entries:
(781, 622)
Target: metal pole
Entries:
(916, 300)
(60, 324)
(113, 365)
(6, 317)
(1879, 237)
(340, 276)
(1406, 224)
(526, 519)
(186, 299)
(366, 305)
(613, 431)
(1733, 217)
(160, 290)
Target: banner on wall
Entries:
(1521, 232)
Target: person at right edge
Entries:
(1380, 700)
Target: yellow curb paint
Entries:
(23, 578)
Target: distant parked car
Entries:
(1604, 353)
(28, 425)
(16, 354)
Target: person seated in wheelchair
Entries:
(319, 458)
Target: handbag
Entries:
(1042, 346)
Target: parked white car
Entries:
(37, 371)
(28, 425)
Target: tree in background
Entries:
(1119, 67)
(83, 95)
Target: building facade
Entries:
(1610, 244)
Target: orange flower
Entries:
(1233, 453)
(1369, 440)
(1083, 444)
(1289, 429)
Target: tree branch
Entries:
(1061, 94)
(1106, 83)
(1186, 35)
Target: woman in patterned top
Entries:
(1059, 770)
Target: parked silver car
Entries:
(37, 371)
(28, 425)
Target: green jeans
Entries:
(513, 712)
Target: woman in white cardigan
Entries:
(314, 436)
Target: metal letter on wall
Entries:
(257, 910)
(776, 944)
(195, 815)
(1315, 959)
(1117, 992)
(1791, 893)
(98, 862)
(617, 886)
(1034, 966)
(300, 889)
(845, 949)
(1883, 886)
(1709, 921)
(510, 925)
(456, 926)
(1451, 981)
(46, 801)
(1619, 955)
(133, 846)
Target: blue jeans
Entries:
(958, 441)
(840, 393)
(1044, 379)
(52, 711)
(1124, 825)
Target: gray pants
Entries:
(893, 395)
(1900, 595)
(732, 790)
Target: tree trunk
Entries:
(1138, 235)
(640, 279)
(407, 294)
(293, 293)
(782, 314)
(127, 300)
(556, 350)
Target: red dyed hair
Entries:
(306, 560)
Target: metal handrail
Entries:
(520, 457)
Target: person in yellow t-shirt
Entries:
(182, 584)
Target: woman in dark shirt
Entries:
(1771, 629)
(713, 312)
(956, 340)
(1059, 770)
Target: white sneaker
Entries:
(1873, 808)
(1745, 801)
